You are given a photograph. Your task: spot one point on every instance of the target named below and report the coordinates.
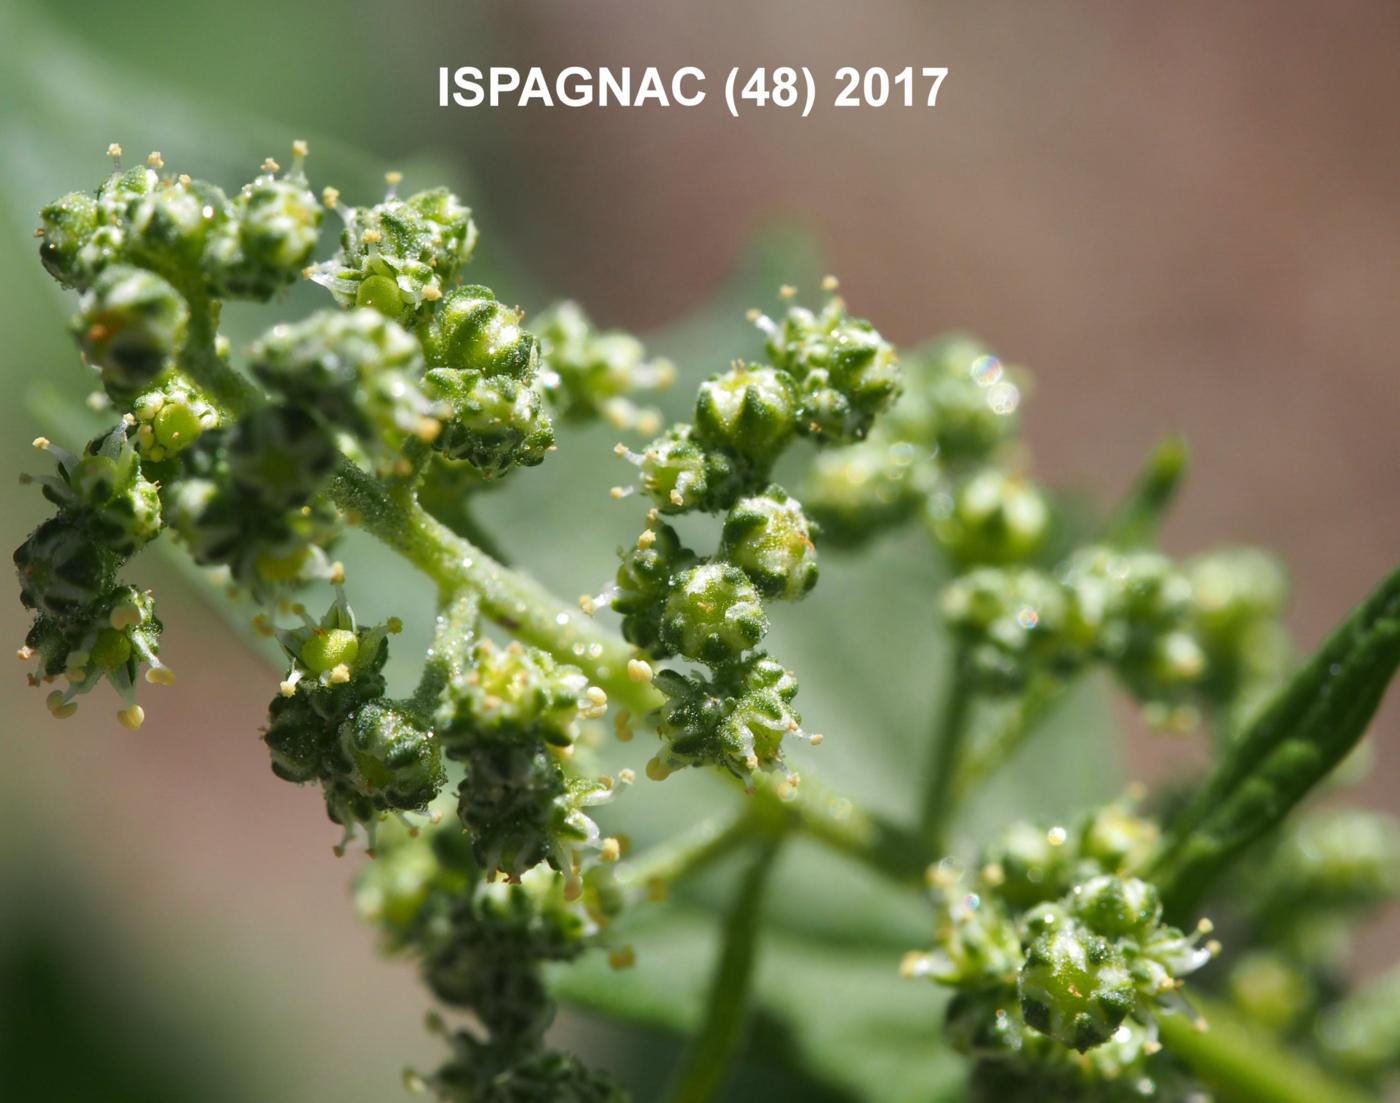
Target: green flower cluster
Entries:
(934, 455)
(482, 947)
(331, 724)
(1177, 635)
(1060, 958)
(88, 627)
(832, 375)
(591, 374)
(512, 717)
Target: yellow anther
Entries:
(114, 150)
(677, 498)
(639, 670)
(611, 850)
(132, 717)
(830, 283)
(300, 148)
(42, 443)
(787, 291)
(647, 539)
(622, 724)
(431, 293)
(270, 165)
(160, 676)
(340, 674)
(337, 575)
(428, 429)
(373, 236)
(658, 770)
(393, 179)
(25, 653)
(627, 777)
(394, 625)
(155, 160)
(330, 197)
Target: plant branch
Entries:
(455, 631)
(949, 735)
(510, 598)
(711, 1056)
(1243, 1064)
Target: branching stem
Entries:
(707, 1064)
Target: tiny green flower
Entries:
(768, 537)
(713, 614)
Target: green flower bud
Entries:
(130, 326)
(1361, 1034)
(1116, 907)
(589, 374)
(400, 256)
(1033, 864)
(335, 663)
(519, 693)
(519, 807)
(393, 761)
(299, 739)
(66, 224)
(472, 331)
(993, 518)
(645, 579)
(978, 946)
(120, 194)
(856, 492)
(750, 410)
(713, 614)
(546, 1076)
(267, 548)
(62, 570)
(1075, 987)
(170, 418)
(106, 492)
(356, 368)
(679, 474)
(1014, 622)
(281, 455)
(169, 227)
(736, 721)
(960, 398)
(1270, 990)
(109, 641)
(494, 423)
(271, 232)
(1339, 859)
(845, 371)
(487, 955)
(1118, 841)
(769, 539)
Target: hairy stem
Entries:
(510, 598)
(949, 735)
(707, 1065)
(455, 631)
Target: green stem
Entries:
(233, 392)
(707, 1065)
(510, 598)
(1042, 697)
(1243, 1064)
(457, 628)
(950, 733)
(869, 839)
(685, 855)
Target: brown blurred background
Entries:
(1179, 216)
